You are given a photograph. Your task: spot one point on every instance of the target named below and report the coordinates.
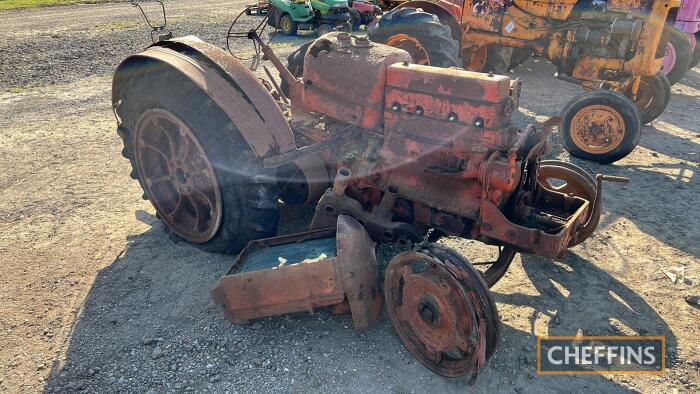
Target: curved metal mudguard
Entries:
(229, 83)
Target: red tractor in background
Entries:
(362, 12)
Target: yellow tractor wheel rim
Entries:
(411, 45)
(597, 129)
(286, 24)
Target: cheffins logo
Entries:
(601, 355)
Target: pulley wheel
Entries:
(571, 179)
(442, 310)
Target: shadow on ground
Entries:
(151, 310)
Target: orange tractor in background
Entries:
(614, 49)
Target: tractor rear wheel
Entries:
(205, 183)
(601, 126)
(652, 97)
(295, 64)
(324, 29)
(696, 53)
(419, 33)
(678, 56)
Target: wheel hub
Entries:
(436, 314)
(598, 129)
(177, 175)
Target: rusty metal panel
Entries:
(453, 82)
(344, 78)
(302, 272)
(274, 134)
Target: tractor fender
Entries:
(449, 13)
(229, 83)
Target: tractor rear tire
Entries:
(518, 57)
(205, 183)
(324, 29)
(652, 97)
(601, 126)
(287, 25)
(273, 17)
(421, 34)
(295, 64)
(696, 53)
(678, 56)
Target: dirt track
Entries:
(94, 296)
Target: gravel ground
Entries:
(96, 298)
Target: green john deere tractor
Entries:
(292, 16)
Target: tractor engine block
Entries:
(431, 147)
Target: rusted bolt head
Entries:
(486, 226)
(419, 111)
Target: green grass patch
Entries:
(14, 4)
(16, 90)
(123, 25)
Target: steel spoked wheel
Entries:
(598, 129)
(177, 176)
(411, 45)
(206, 184)
(601, 126)
(571, 179)
(442, 310)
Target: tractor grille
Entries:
(663, 42)
(338, 10)
(666, 34)
(672, 15)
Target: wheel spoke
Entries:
(181, 182)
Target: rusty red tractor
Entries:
(410, 152)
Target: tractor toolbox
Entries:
(301, 272)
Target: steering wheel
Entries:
(233, 37)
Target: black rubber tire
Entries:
(696, 53)
(273, 16)
(295, 64)
(293, 26)
(355, 19)
(248, 191)
(684, 55)
(624, 106)
(426, 28)
(324, 29)
(661, 90)
(498, 59)
(519, 56)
